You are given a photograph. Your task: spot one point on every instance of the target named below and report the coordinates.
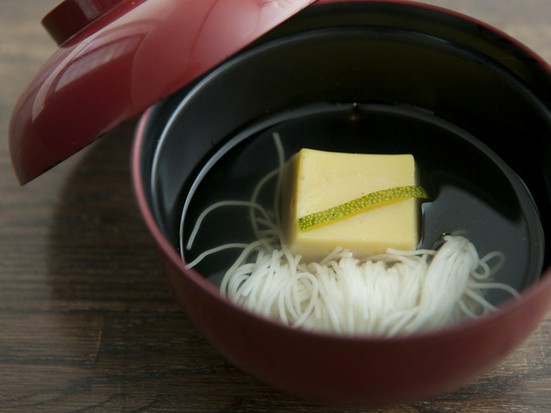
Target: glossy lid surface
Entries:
(117, 58)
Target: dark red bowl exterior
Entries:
(342, 370)
(347, 371)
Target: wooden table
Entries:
(87, 322)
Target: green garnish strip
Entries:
(360, 204)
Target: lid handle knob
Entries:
(70, 16)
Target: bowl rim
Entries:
(527, 295)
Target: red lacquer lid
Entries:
(118, 57)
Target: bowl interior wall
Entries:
(365, 53)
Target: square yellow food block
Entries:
(317, 180)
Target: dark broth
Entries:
(471, 189)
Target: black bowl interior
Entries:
(472, 106)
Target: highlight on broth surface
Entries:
(394, 293)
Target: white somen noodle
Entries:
(397, 293)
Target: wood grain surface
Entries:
(87, 322)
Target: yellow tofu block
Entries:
(317, 180)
